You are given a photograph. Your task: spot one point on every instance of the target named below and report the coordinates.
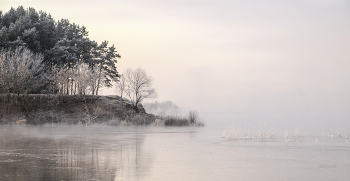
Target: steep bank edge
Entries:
(69, 109)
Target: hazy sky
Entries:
(270, 60)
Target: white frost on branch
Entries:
(20, 70)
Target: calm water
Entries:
(158, 153)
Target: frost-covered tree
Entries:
(57, 78)
(84, 79)
(138, 86)
(96, 80)
(121, 86)
(77, 80)
(21, 71)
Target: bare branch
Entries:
(138, 86)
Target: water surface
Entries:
(159, 153)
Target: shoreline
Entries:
(40, 109)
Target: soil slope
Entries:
(72, 109)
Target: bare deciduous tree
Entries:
(138, 86)
(59, 77)
(121, 86)
(97, 79)
(79, 79)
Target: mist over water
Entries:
(102, 152)
(72, 153)
(222, 120)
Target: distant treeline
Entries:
(41, 55)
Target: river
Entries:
(101, 152)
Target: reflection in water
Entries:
(163, 153)
(71, 153)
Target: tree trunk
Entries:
(68, 87)
(93, 88)
(75, 88)
(71, 87)
(98, 80)
(97, 91)
(136, 109)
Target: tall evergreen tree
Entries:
(105, 59)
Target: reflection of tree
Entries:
(43, 157)
(134, 162)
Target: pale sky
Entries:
(278, 61)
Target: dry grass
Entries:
(289, 136)
(248, 134)
(292, 135)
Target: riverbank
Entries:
(69, 109)
(37, 109)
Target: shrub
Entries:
(193, 117)
(176, 121)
